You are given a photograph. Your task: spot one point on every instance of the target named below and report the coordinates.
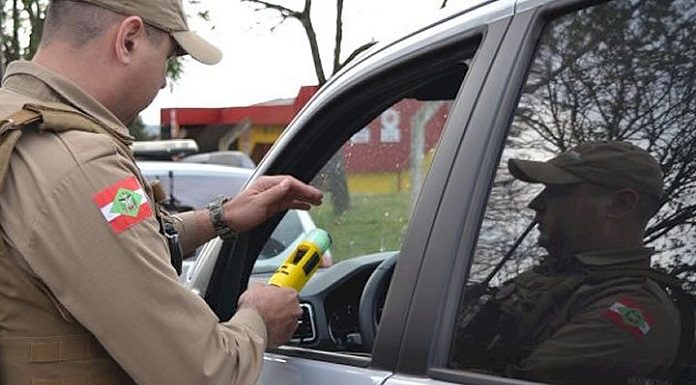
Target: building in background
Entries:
(250, 129)
(253, 130)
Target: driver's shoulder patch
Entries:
(123, 204)
(631, 316)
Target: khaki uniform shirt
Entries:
(116, 281)
(602, 332)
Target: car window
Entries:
(374, 180)
(371, 186)
(619, 71)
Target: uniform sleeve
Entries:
(185, 226)
(611, 338)
(99, 251)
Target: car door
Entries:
(390, 126)
(567, 72)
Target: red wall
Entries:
(376, 156)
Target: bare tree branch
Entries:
(357, 52)
(285, 12)
(339, 36)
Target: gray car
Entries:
(411, 141)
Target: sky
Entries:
(260, 65)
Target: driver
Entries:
(588, 313)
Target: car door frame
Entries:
(352, 98)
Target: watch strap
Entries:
(215, 212)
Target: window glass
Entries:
(372, 182)
(575, 300)
(371, 185)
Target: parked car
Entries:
(190, 186)
(418, 132)
(227, 158)
(169, 149)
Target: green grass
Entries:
(373, 223)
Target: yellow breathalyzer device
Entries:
(303, 261)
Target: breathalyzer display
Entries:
(303, 261)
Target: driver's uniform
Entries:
(558, 324)
(87, 292)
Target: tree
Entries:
(20, 25)
(335, 168)
(137, 129)
(305, 19)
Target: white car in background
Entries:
(225, 158)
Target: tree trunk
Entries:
(419, 123)
(336, 183)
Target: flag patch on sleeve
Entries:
(627, 314)
(123, 204)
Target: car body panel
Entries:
(300, 371)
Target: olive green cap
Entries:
(609, 163)
(168, 16)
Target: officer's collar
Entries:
(52, 87)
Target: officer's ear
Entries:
(623, 203)
(130, 32)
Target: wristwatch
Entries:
(215, 211)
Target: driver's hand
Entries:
(278, 306)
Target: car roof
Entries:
(181, 168)
(163, 149)
(229, 158)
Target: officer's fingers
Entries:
(255, 285)
(298, 312)
(304, 192)
(276, 195)
(299, 205)
(296, 189)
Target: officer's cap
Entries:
(168, 16)
(609, 163)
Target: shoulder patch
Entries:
(123, 204)
(629, 315)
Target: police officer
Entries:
(87, 292)
(589, 313)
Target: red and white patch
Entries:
(629, 315)
(123, 204)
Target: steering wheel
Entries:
(372, 300)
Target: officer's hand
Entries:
(267, 196)
(279, 307)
